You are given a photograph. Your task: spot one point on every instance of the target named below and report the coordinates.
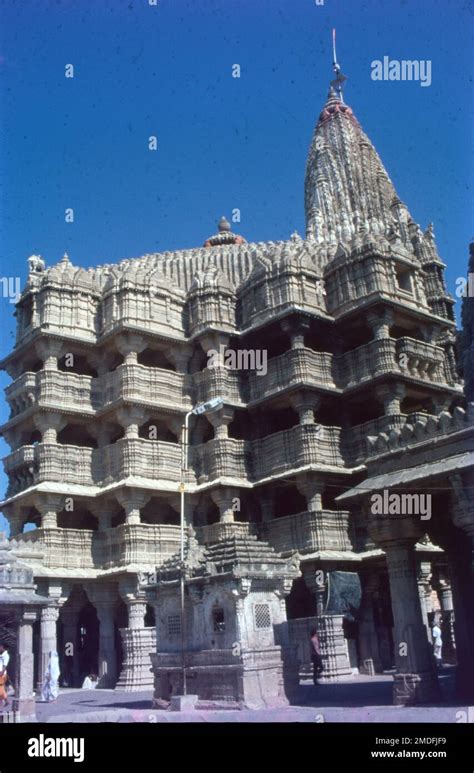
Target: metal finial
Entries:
(338, 83)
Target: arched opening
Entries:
(76, 363)
(156, 429)
(88, 639)
(158, 511)
(31, 521)
(154, 358)
(289, 501)
(76, 435)
(77, 519)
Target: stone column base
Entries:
(412, 689)
(333, 648)
(138, 644)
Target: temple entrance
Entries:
(88, 639)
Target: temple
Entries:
(361, 395)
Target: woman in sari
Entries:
(50, 688)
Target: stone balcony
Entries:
(219, 382)
(141, 384)
(167, 389)
(299, 446)
(251, 460)
(73, 392)
(51, 462)
(423, 361)
(407, 356)
(293, 368)
(308, 532)
(52, 389)
(144, 543)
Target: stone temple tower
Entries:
(357, 393)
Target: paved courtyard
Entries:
(357, 699)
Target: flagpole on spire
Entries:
(338, 83)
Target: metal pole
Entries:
(184, 467)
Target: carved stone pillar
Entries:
(25, 664)
(104, 510)
(131, 418)
(445, 595)
(424, 590)
(49, 424)
(391, 397)
(415, 680)
(48, 641)
(380, 323)
(305, 403)
(220, 421)
(49, 350)
(223, 497)
(101, 432)
(49, 505)
(316, 582)
(311, 485)
(295, 329)
(132, 501)
(130, 345)
(180, 357)
(14, 516)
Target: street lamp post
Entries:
(203, 408)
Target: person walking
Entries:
(316, 659)
(4, 661)
(437, 643)
(50, 688)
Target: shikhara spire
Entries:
(347, 189)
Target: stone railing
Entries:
(58, 388)
(21, 394)
(62, 547)
(138, 383)
(295, 367)
(146, 544)
(308, 531)
(72, 391)
(226, 457)
(356, 439)
(143, 543)
(140, 458)
(215, 532)
(420, 360)
(298, 446)
(219, 382)
(418, 428)
(366, 362)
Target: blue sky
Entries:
(223, 142)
